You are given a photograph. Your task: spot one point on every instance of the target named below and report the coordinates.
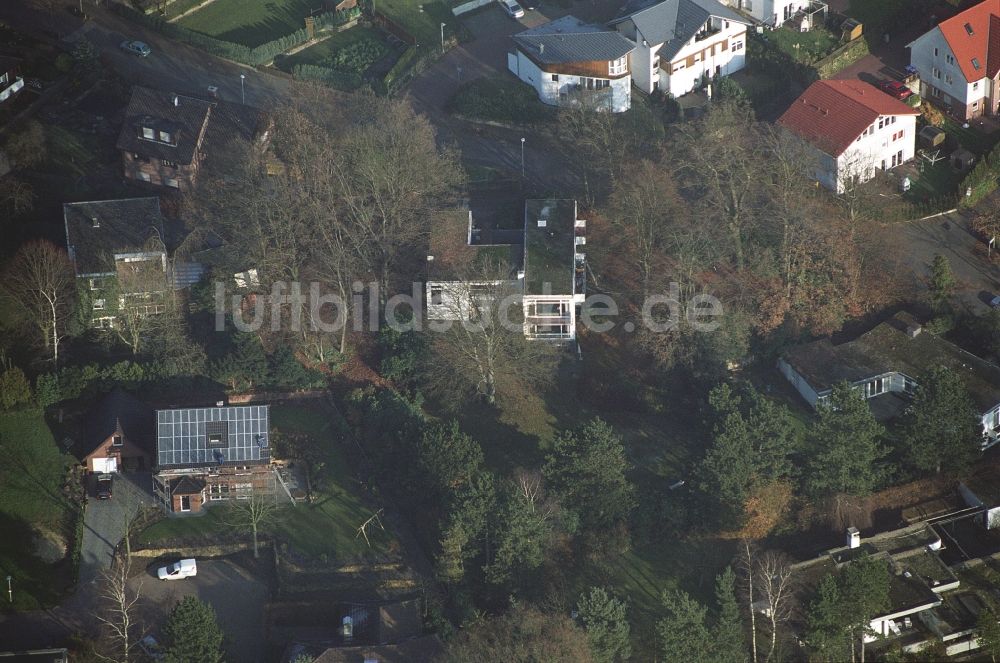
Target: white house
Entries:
(681, 43)
(959, 62)
(771, 12)
(891, 359)
(542, 263)
(855, 129)
(570, 62)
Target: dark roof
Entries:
(674, 23)
(231, 130)
(182, 436)
(7, 63)
(418, 650)
(455, 254)
(832, 114)
(131, 225)
(188, 486)
(185, 120)
(119, 409)
(569, 39)
(399, 621)
(889, 349)
(549, 251)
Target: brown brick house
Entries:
(211, 454)
(118, 435)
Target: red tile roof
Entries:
(832, 114)
(971, 35)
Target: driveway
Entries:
(105, 521)
(237, 598)
(977, 277)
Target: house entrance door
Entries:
(185, 503)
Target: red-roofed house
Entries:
(958, 62)
(855, 128)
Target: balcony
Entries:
(707, 32)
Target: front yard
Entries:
(38, 515)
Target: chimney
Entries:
(853, 537)
(913, 330)
(430, 258)
(177, 100)
(95, 222)
(220, 403)
(541, 48)
(542, 223)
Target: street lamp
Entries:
(10, 594)
(243, 92)
(442, 37)
(522, 157)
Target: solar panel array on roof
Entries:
(192, 436)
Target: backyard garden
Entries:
(251, 24)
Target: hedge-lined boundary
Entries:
(259, 55)
(342, 80)
(982, 180)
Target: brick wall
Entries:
(152, 170)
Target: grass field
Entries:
(424, 25)
(327, 526)
(805, 47)
(250, 23)
(352, 50)
(32, 474)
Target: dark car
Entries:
(103, 487)
(895, 89)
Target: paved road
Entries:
(238, 600)
(978, 278)
(105, 521)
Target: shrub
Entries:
(14, 388)
(405, 67)
(342, 80)
(499, 100)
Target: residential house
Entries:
(543, 262)
(854, 128)
(118, 435)
(959, 62)
(424, 648)
(118, 251)
(10, 81)
(887, 363)
(772, 12)
(682, 43)
(570, 62)
(211, 454)
(166, 138)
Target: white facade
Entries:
(887, 143)
(721, 52)
(772, 12)
(614, 94)
(942, 80)
(453, 300)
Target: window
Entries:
(168, 164)
(218, 491)
(171, 182)
(164, 136)
(437, 295)
(968, 28)
(185, 503)
(555, 77)
(144, 177)
(4, 78)
(948, 79)
(148, 133)
(618, 67)
(950, 59)
(881, 122)
(116, 441)
(935, 72)
(893, 120)
(975, 86)
(99, 304)
(678, 66)
(737, 45)
(935, 52)
(217, 434)
(975, 64)
(878, 385)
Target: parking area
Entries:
(105, 521)
(237, 598)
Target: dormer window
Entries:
(164, 137)
(968, 28)
(149, 133)
(975, 64)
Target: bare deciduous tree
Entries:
(119, 615)
(250, 515)
(16, 196)
(775, 590)
(40, 280)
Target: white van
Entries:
(185, 568)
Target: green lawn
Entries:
(250, 22)
(972, 139)
(805, 47)
(934, 182)
(32, 474)
(327, 526)
(424, 25)
(352, 51)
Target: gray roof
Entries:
(673, 23)
(182, 436)
(569, 39)
(184, 119)
(130, 225)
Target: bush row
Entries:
(262, 54)
(342, 80)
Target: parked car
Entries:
(995, 302)
(103, 487)
(513, 9)
(136, 47)
(185, 568)
(895, 89)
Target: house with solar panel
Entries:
(211, 454)
(572, 63)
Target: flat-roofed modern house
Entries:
(572, 63)
(959, 62)
(682, 43)
(119, 255)
(211, 454)
(890, 360)
(543, 262)
(554, 268)
(854, 128)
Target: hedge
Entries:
(403, 70)
(342, 80)
(982, 179)
(841, 58)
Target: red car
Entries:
(895, 89)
